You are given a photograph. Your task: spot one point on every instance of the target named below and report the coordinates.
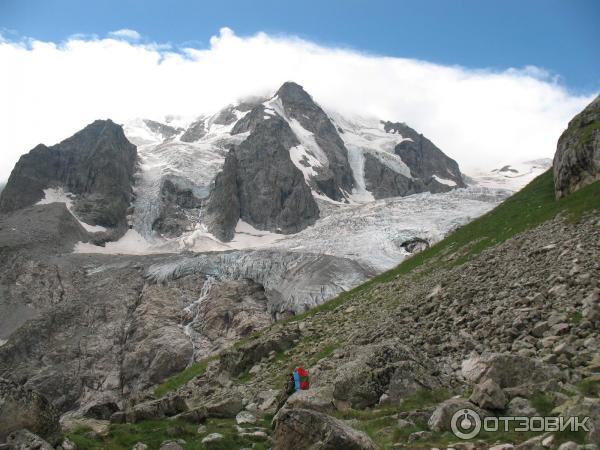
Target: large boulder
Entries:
(23, 408)
(297, 429)
(577, 157)
(488, 395)
(388, 367)
(26, 440)
(507, 370)
(157, 409)
(315, 398)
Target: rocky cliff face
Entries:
(577, 157)
(260, 185)
(96, 164)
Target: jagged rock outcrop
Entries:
(96, 164)
(430, 169)
(195, 131)
(260, 185)
(24, 408)
(180, 204)
(422, 157)
(166, 131)
(577, 158)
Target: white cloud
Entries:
(126, 33)
(479, 117)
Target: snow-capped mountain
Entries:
(283, 173)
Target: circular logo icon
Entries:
(466, 424)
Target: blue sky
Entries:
(560, 36)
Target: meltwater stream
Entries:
(191, 313)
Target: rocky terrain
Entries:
(191, 350)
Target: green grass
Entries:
(590, 387)
(542, 403)
(576, 317)
(524, 210)
(176, 381)
(154, 432)
(421, 399)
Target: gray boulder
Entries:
(157, 409)
(507, 370)
(315, 398)
(23, 408)
(227, 407)
(488, 395)
(297, 429)
(388, 367)
(26, 440)
(577, 158)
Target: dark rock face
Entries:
(22, 408)
(195, 131)
(166, 131)
(298, 429)
(260, 185)
(336, 179)
(96, 164)
(180, 201)
(577, 157)
(423, 158)
(383, 182)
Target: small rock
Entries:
(245, 417)
(140, 446)
(569, 445)
(212, 437)
(419, 436)
(67, 444)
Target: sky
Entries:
(488, 81)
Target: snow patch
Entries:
(58, 195)
(444, 181)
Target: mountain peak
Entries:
(293, 92)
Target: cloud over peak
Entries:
(479, 117)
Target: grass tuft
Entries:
(176, 381)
